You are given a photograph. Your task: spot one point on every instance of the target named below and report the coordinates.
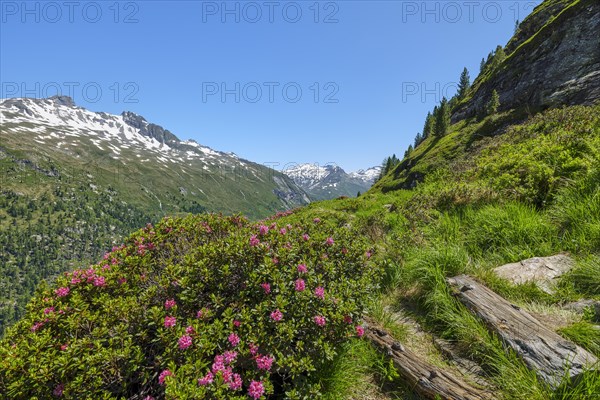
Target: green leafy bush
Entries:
(196, 307)
(533, 160)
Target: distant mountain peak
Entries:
(330, 180)
(62, 100)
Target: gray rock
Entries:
(544, 271)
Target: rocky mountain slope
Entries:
(553, 59)
(331, 181)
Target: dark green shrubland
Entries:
(196, 307)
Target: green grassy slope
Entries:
(533, 190)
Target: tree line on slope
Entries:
(437, 121)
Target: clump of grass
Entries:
(359, 371)
(585, 278)
(586, 386)
(508, 232)
(526, 292)
(584, 334)
(577, 211)
(349, 372)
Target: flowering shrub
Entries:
(196, 307)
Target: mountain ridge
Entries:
(61, 125)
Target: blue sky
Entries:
(346, 82)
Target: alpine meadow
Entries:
(139, 264)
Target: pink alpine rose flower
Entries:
(234, 339)
(329, 241)
(300, 285)
(263, 230)
(218, 364)
(256, 389)
(58, 390)
(320, 320)
(62, 291)
(266, 287)
(302, 268)
(206, 379)
(276, 315)
(254, 241)
(163, 375)
(264, 362)
(253, 349)
(36, 326)
(99, 281)
(230, 356)
(320, 292)
(305, 237)
(170, 322)
(235, 382)
(360, 331)
(170, 303)
(184, 342)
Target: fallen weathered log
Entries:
(425, 379)
(542, 350)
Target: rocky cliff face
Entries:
(553, 60)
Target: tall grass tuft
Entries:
(585, 278)
(577, 211)
(509, 232)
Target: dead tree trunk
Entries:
(426, 380)
(542, 350)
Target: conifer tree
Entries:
(492, 105)
(464, 84)
(482, 65)
(442, 119)
(499, 56)
(428, 128)
(388, 165)
(418, 139)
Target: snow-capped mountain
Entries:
(331, 181)
(367, 175)
(131, 154)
